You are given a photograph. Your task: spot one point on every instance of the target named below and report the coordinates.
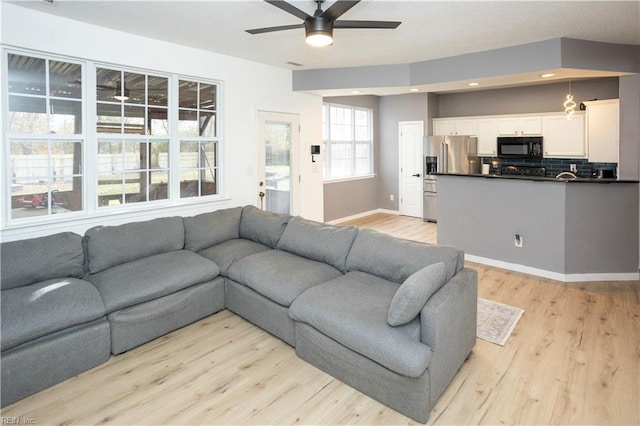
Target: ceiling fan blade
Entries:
(272, 29)
(289, 8)
(338, 8)
(367, 24)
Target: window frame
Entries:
(90, 137)
(327, 142)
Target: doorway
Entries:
(410, 137)
(278, 142)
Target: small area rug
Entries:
(496, 321)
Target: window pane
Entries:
(189, 154)
(188, 123)
(135, 155)
(208, 153)
(109, 118)
(159, 121)
(66, 194)
(158, 88)
(26, 75)
(207, 124)
(29, 199)
(66, 158)
(30, 161)
(159, 153)
(189, 183)
(110, 189)
(135, 186)
(135, 87)
(188, 94)
(66, 117)
(108, 84)
(207, 96)
(109, 157)
(27, 115)
(208, 182)
(158, 189)
(65, 80)
(134, 120)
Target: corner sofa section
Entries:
(394, 319)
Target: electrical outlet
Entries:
(519, 240)
(391, 197)
(573, 168)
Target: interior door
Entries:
(278, 172)
(411, 136)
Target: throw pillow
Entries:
(414, 293)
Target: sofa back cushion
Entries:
(33, 260)
(209, 229)
(396, 259)
(318, 241)
(113, 245)
(262, 226)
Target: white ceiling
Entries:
(430, 29)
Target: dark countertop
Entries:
(539, 178)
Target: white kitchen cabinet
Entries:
(520, 125)
(564, 137)
(603, 130)
(487, 137)
(455, 127)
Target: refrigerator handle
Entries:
(445, 160)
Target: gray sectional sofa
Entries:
(392, 318)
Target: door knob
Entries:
(416, 175)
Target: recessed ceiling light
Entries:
(474, 83)
(355, 92)
(547, 75)
(414, 89)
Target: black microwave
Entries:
(520, 147)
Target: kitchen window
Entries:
(348, 141)
(45, 136)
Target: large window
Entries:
(348, 141)
(198, 135)
(130, 137)
(133, 137)
(45, 136)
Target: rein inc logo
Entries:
(8, 420)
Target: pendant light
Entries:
(569, 104)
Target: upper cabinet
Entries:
(520, 125)
(487, 137)
(564, 137)
(603, 130)
(455, 127)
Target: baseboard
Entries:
(363, 214)
(567, 278)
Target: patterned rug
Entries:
(496, 321)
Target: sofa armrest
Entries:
(448, 326)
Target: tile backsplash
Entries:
(553, 165)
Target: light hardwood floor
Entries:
(574, 358)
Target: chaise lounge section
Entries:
(392, 318)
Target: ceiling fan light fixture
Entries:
(123, 96)
(319, 31)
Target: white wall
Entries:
(247, 88)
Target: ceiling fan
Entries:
(319, 27)
(120, 93)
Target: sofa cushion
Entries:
(208, 229)
(147, 279)
(279, 275)
(318, 241)
(29, 261)
(46, 307)
(414, 292)
(262, 226)
(396, 259)
(225, 254)
(113, 245)
(352, 310)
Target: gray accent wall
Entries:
(526, 99)
(351, 197)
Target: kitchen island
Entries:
(564, 229)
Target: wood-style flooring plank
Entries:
(573, 359)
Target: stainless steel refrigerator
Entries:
(446, 154)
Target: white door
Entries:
(411, 135)
(278, 172)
